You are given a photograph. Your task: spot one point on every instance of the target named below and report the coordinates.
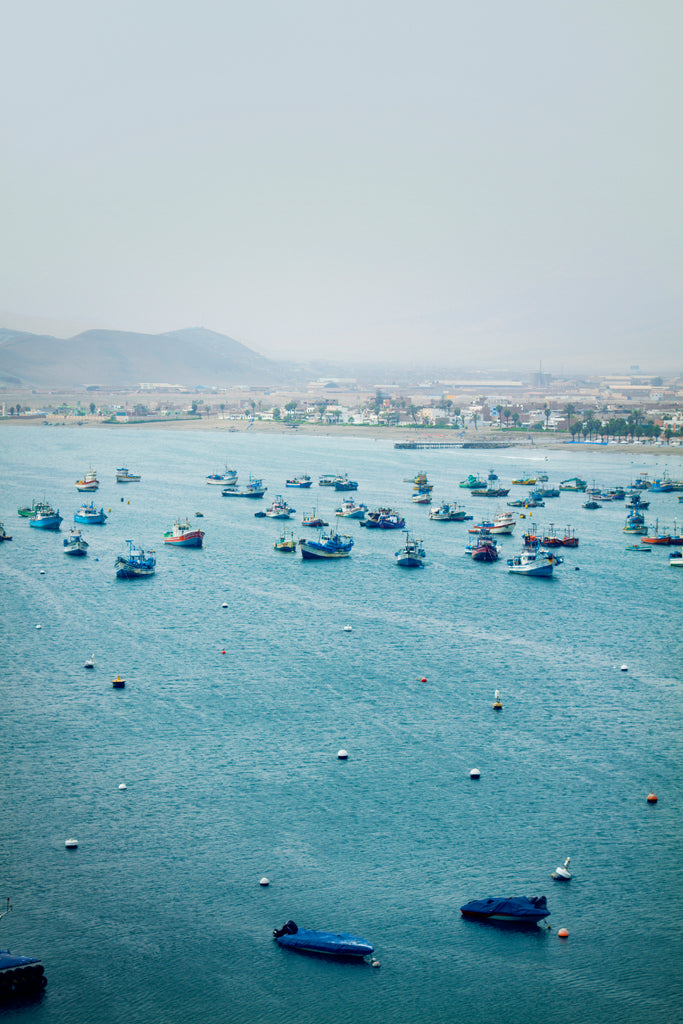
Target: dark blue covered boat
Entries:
(522, 909)
(331, 943)
(20, 975)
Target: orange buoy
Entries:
(652, 798)
(563, 933)
(223, 651)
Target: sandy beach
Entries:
(482, 437)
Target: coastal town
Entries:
(627, 408)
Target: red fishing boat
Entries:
(183, 536)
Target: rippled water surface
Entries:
(227, 732)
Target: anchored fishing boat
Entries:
(484, 548)
(285, 542)
(279, 509)
(182, 535)
(574, 483)
(412, 554)
(253, 489)
(448, 511)
(88, 482)
(124, 476)
(328, 545)
(228, 478)
(313, 519)
(342, 483)
(26, 511)
(533, 563)
(89, 514)
(302, 481)
(75, 543)
(350, 509)
(45, 518)
(136, 564)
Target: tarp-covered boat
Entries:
(331, 943)
(522, 909)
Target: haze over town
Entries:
(491, 186)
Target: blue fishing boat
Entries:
(412, 555)
(136, 564)
(299, 481)
(46, 518)
(522, 909)
(328, 545)
(306, 940)
(90, 514)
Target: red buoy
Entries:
(652, 798)
(424, 679)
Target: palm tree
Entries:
(569, 411)
(546, 413)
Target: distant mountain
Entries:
(121, 359)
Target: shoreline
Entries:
(420, 435)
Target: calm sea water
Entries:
(230, 758)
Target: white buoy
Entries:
(264, 881)
(122, 785)
(347, 629)
(224, 605)
(42, 572)
(39, 627)
(563, 873)
(475, 773)
(71, 844)
(624, 668)
(342, 755)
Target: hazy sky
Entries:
(487, 183)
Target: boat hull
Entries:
(194, 539)
(125, 571)
(46, 522)
(410, 561)
(97, 518)
(78, 548)
(326, 547)
(533, 570)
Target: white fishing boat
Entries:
(88, 482)
(534, 563)
(75, 543)
(228, 478)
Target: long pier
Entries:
(412, 445)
